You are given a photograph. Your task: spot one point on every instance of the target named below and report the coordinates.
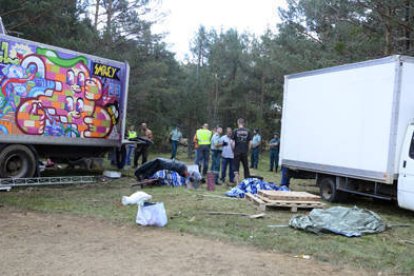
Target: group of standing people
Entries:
(231, 150)
(228, 151)
(144, 139)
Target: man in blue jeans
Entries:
(274, 151)
(132, 134)
(216, 148)
(257, 139)
(227, 155)
(203, 136)
(175, 138)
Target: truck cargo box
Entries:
(54, 96)
(348, 120)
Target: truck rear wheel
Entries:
(328, 191)
(17, 161)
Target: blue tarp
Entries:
(252, 185)
(169, 178)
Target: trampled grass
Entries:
(390, 252)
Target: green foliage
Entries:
(230, 74)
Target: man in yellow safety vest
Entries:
(132, 135)
(203, 136)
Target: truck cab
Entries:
(405, 189)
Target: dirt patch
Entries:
(44, 244)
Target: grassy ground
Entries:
(388, 252)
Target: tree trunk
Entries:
(96, 14)
(407, 30)
(109, 12)
(388, 32)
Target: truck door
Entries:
(405, 188)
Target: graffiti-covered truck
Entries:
(58, 104)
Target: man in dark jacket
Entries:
(242, 143)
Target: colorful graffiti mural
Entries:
(52, 93)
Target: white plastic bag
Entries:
(136, 198)
(152, 214)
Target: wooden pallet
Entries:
(281, 195)
(263, 203)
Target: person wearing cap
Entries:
(175, 138)
(257, 139)
(274, 144)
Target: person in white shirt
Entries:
(227, 155)
(257, 139)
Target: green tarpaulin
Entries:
(350, 222)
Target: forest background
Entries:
(229, 74)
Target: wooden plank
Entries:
(257, 201)
(302, 204)
(145, 182)
(280, 195)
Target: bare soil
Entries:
(56, 244)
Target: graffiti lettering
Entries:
(47, 92)
(4, 58)
(106, 71)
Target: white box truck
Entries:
(57, 103)
(351, 127)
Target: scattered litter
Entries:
(261, 215)
(136, 198)
(407, 241)
(398, 225)
(216, 196)
(149, 213)
(5, 188)
(112, 174)
(146, 182)
(306, 257)
(350, 222)
(152, 214)
(278, 225)
(253, 185)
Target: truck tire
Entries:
(328, 191)
(17, 161)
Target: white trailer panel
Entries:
(346, 120)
